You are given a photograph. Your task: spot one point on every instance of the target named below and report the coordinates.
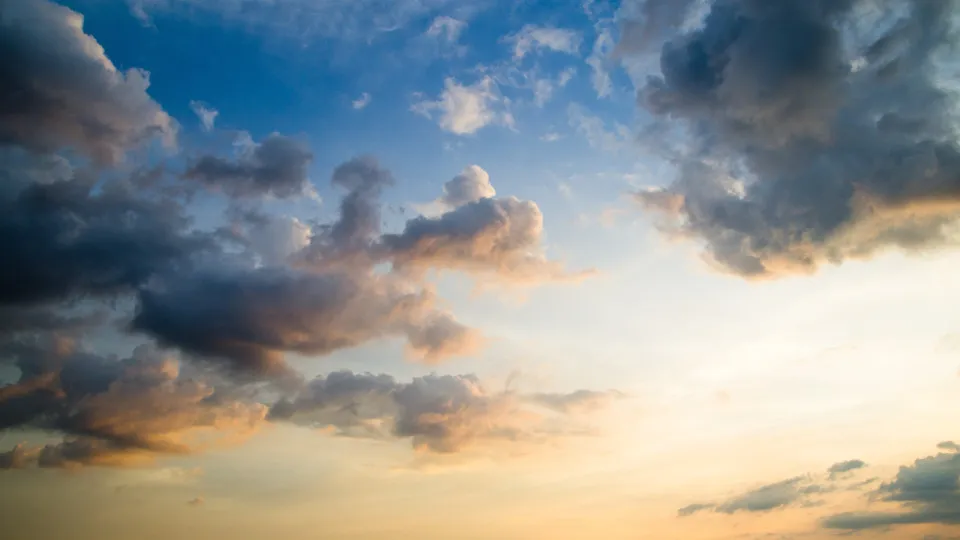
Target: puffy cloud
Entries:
(206, 114)
(112, 412)
(812, 143)
(249, 318)
(839, 469)
(467, 109)
(498, 237)
(277, 167)
(65, 239)
(437, 413)
(59, 90)
(532, 38)
(472, 184)
(929, 490)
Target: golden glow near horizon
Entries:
(672, 269)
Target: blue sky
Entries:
(479, 269)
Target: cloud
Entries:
(839, 469)
(580, 401)
(532, 38)
(66, 238)
(496, 237)
(929, 491)
(464, 110)
(272, 239)
(206, 114)
(277, 167)
(59, 90)
(353, 22)
(362, 101)
(470, 185)
(810, 144)
(437, 413)
(447, 29)
(249, 318)
(115, 412)
(613, 139)
(599, 74)
(763, 499)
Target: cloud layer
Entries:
(821, 132)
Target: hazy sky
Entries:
(480, 269)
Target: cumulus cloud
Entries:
(205, 113)
(437, 413)
(65, 239)
(249, 318)
(114, 412)
(464, 110)
(821, 132)
(532, 38)
(498, 237)
(59, 90)
(277, 166)
(472, 184)
(929, 491)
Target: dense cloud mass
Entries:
(821, 131)
(58, 89)
(101, 248)
(277, 166)
(112, 411)
(438, 413)
(249, 318)
(70, 238)
(929, 490)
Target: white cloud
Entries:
(466, 109)
(446, 29)
(353, 20)
(206, 114)
(550, 137)
(596, 132)
(362, 101)
(597, 61)
(533, 38)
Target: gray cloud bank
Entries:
(820, 131)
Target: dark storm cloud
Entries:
(251, 317)
(839, 469)
(59, 90)
(438, 413)
(842, 147)
(277, 167)
(763, 499)
(111, 410)
(929, 491)
(66, 239)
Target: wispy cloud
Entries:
(362, 101)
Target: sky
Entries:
(479, 269)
